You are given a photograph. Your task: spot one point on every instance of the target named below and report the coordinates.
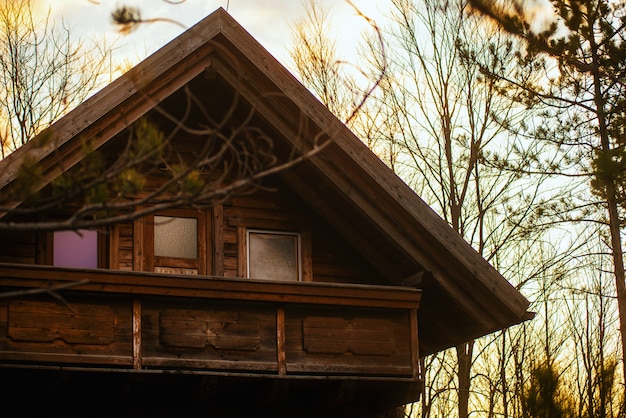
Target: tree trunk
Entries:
(618, 267)
(464, 358)
(612, 208)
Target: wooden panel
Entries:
(209, 250)
(114, 245)
(358, 336)
(237, 326)
(334, 260)
(230, 252)
(140, 259)
(125, 245)
(242, 252)
(137, 333)
(264, 219)
(280, 340)
(326, 256)
(348, 341)
(307, 258)
(209, 334)
(203, 328)
(78, 330)
(218, 240)
(44, 321)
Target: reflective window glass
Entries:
(273, 255)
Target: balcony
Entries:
(148, 322)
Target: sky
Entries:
(269, 21)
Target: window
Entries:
(75, 249)
(176, 242)
(175, 237)
(274, 255)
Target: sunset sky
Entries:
(268, 21)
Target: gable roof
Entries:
(464, 297)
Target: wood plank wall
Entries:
(326, 255)
(330, 257)
(18, 247)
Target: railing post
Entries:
(280, 340)
(136, 333)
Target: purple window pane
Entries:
(76, 249)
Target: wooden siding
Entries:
(18, 247)
(121, 245)
(208, 334)
(327, 257)
(161, 322)
(126, 319)
(375, 342)
(77, 329)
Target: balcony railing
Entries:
(103, 319)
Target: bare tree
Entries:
(44, 72)
(591, 317)
(314, 54)
(340, 83)
(451, 130)
(586, 94)
(451, 134)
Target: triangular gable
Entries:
(376, 212)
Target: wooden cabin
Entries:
(316, 294)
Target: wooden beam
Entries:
(148, 283)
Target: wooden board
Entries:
(348, 340)
(73, 330)
(50, 321)
(209, 334)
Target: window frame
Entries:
(299, 251)
(101, 249)
(177, 265)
